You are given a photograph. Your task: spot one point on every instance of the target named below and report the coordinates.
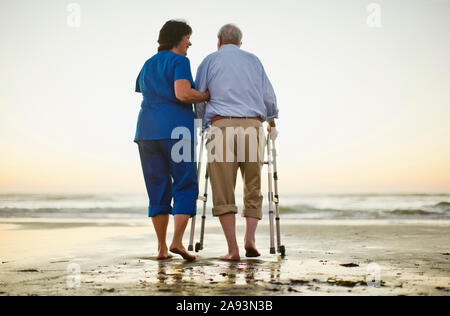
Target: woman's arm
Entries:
(185, 93)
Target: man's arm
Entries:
(202, 86)
(270, 100)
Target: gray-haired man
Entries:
(242, 98)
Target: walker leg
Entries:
(191, 238)
(199, 168)
(199, 246)
(270, 196)
(280, 248)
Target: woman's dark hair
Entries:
(172, 33)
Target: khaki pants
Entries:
(236, 144)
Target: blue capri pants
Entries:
(166, 179)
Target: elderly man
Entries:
(242, 98)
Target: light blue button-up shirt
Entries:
(238, 85)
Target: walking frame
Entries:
(204, 198)
(273, 198)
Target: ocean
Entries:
(302, 207)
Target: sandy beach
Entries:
(334, 257)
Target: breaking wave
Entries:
(349, 206)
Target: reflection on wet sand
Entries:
(180, 276)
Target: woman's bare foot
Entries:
(164, 256)
(163, 253)
(229, 257)
(180, 223)
(180, 250)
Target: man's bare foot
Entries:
(229, 257)
(251, 253)
(250, 250)
(180, 250)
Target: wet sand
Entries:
(43, 257)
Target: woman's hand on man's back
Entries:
(185, 93)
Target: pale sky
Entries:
(362, 109)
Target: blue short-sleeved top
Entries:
(161, 112)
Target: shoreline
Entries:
(324, 257)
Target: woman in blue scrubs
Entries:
(167, 87)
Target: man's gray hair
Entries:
(230, 33)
